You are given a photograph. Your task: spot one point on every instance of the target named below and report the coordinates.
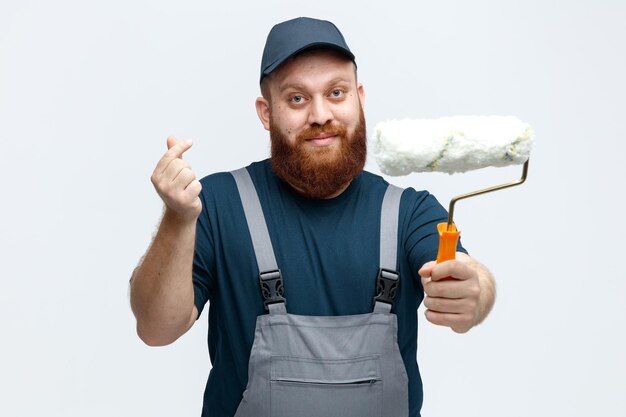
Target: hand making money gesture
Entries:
(176, 183)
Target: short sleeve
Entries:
(422, 214)
(203, 280)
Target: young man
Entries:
(322, 252)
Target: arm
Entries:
(459, 293)
(161, 288)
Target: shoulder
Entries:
(419, 200)
(412, 199)
(416, 206)
(224, 182)
(370, 179)
(217, 181)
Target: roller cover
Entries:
(450, 144)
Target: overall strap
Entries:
(269, 275)
(388, 277)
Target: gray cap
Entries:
(288, 38)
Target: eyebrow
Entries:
(291, 85)
(298, 86)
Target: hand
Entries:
(452, 291)
(176, 183)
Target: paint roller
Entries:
(451, 145)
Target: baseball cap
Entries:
(288, 38)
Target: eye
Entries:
(296, 99)
(336, 93)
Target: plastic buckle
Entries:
(272, 287)
(386, 285)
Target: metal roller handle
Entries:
(484, 191)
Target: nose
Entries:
(319, 112)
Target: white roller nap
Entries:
(450, 144)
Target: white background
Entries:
(89, 91)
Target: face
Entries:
(316, 123)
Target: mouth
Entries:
(323, 139)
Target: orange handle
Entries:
(448, 238)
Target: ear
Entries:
(361, 92)
(263, 111)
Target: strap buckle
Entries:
(272, 287)
(386, 285)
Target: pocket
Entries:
(306, 387)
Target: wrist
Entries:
(174, 219)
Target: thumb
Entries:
(427, 269)
(176, 148)
(171, 141)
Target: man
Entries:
(323, 215)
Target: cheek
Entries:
(350, 117)
(289, 124)
(349, 110)
(286, 127)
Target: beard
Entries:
(319, 172)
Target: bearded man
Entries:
(311, 312)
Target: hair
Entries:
(265, 88)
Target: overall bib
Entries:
(314, 366)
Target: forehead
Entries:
(313, 67)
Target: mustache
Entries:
(328, 129)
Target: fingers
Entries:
(452, 293)
(175, 151)
(452, 269)
(450, 288)
(452, 280)
(192, 193)
(427, 269)
(449, 305)
(174, 169)
(183, 179)
(193, 189)
(460, 323)
(171, 141)
(449, 267)
(176, 183)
